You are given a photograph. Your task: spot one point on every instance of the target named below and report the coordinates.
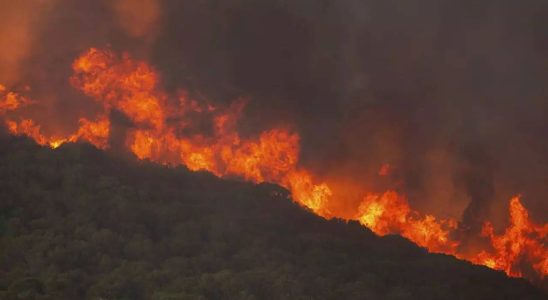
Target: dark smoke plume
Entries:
(451, 93)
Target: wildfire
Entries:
(390, 213)
(131, 87)
(303, 190)
(95, 133)
(522, 242)
(10, 101)
(162, 131)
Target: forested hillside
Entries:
(79, 223)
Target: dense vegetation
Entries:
(77, 223)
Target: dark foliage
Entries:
(77, 223)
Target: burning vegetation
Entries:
(166, 128)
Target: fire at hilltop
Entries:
(162, 132)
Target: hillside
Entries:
(78, 223)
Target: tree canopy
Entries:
(78, 223)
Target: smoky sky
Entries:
(451, 93)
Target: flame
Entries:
(29, 128)
(95, 133)
(304, 191)
(390, 213)
(124, 84)
(522, 242)
(163, 130)
(10, 101)
(132, 87)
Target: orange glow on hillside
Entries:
(522, 242)
(95, 133)
(10, 101)
(389, 213)
(162, 130)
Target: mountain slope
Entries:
(77, 223)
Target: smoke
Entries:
(17, 33)
(450, 93)
(138, 18)
(422, 85)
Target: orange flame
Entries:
(95, 133)
(390, 213)
(522, 242)
(10, 101)
(28, 128)
(162, 132)
(131, 87)
(124, 84)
